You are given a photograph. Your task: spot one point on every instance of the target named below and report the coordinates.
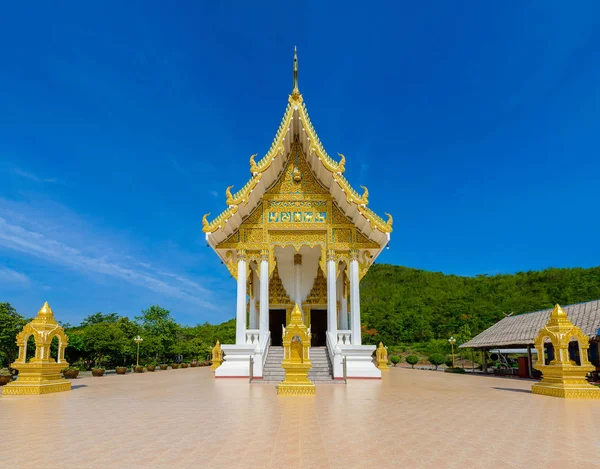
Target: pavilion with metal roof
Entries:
(518, 332)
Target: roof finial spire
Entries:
(295, 70)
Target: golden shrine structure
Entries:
(41, 374)
(563, 377)
(298, 234)
(296, 361)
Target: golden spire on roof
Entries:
(295, 71)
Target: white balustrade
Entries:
(252, 336)
(344, 337)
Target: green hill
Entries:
(400, 304)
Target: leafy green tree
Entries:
(11, 324)
(97, 318)
(75, 350)
(412, 360)
(104, 341)
(130, 330)
(395, 359)
(158, 325)
(436, 359)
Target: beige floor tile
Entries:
(187, 419)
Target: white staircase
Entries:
(320, 371)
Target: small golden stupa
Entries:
(562, 377)
(296, 362)
(217, 356)
(41, 374)
(382, 358)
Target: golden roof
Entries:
(336, 168)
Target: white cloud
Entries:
(17, 236)
(12, 276)
(31, 176)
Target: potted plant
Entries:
(138, 368)
(151, 366)
(70, 373)
(5, 378)
(194, 363)
(121, 370)
(164, 366)
(98, 371)
(184, 365)
(174, 365)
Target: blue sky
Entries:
(475, 124)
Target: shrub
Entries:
(395, 359)
(448, 363)
(412, 360)
(436, 359)
(455, 370)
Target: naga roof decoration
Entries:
(278, 148)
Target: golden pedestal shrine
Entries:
(41, 375)
(562, 377)
(296, 362)
(217, 356)
(382, 357)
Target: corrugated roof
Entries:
(521, 330)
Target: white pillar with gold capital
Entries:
(254, 291)
(331, 294)
(355, 301)
(343, 302)
(240, 316)
(264, 296)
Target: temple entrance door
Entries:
(318, 327)
(276, 320)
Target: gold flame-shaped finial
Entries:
(295, 70)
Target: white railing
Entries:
(264, 346)
(344, 337)
(331, 344)
(252, 336)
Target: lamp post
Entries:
(452, 341)
(138, 340)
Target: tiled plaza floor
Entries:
(187, 419)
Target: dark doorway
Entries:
(318, 327)
(276, 320)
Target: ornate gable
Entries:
(297, 180)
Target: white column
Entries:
(264, 296)
(339, 295)
(355, 303)
(297, 278)
(253, 311)
(240, 315)
(331, 296)
(343, 303)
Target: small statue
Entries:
(297, 175)
(217, 356)
(382, 357)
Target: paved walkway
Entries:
(187, 419)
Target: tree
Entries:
(436, 359)
(103, 341)
(11, 324)
(412, 360)
(395, 359)
(158, 324)
(97, 318)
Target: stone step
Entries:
(320, 370)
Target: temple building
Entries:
(297, 233)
